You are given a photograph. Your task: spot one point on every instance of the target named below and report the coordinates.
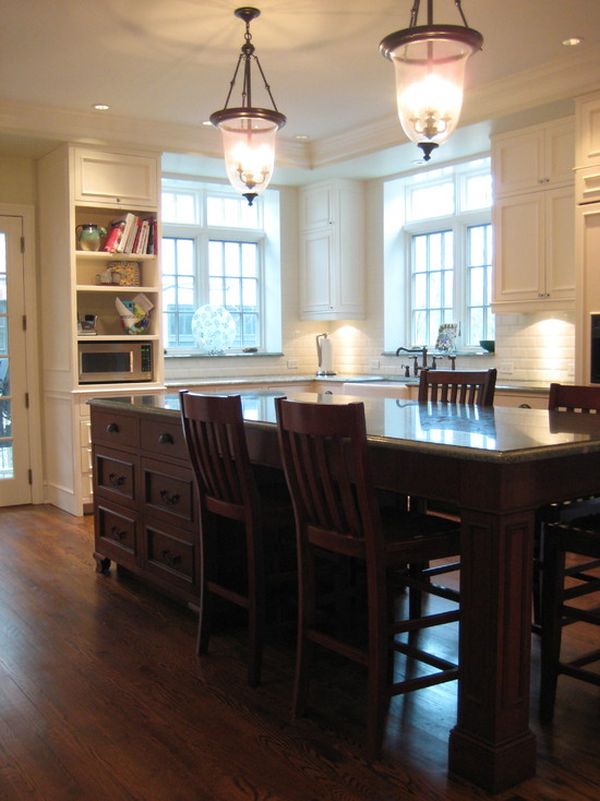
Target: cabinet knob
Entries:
(169, 499)
(112, 428)
(170, 558)
(116, 480)
(165, 438)
(118, 534)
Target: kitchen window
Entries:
(217, 250)
(438, 260)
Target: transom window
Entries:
(213, 252)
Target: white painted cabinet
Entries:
(532, 158)
(116, 179)
(534, 243)
(534, 219)
(524, 400)
(77, 186)
(588, 298)
(587, 116)
(332, 258)
(587, 121)
(587, 159)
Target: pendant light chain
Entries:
(414, 13)
(248, 132)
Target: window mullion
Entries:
(460, 280)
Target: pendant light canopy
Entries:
(430, 62)
(248, 132)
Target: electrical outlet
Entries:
(506, 368)
(292, 364)
(375, 364)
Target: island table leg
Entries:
(492, 745)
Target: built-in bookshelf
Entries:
(82, 186)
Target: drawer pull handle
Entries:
(524, 406)
(118, 534)
(168, 499)
(116, 480)
(170, 558)
(112, 428)
(165, 439)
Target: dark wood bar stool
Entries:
(564, 584)
(324, 453)
(580, 399)
(232, 509)
(464, 387)
(457, 386)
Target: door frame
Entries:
(27, 214)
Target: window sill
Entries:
(190, 355)
(460, 354)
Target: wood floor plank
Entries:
(103, 699)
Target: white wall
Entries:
(17, 180)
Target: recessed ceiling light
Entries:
(101, 106)
(572, 41)
(207, 122)
(302, 137)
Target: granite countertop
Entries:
(494, 434)
(339, 378)
(279, 378)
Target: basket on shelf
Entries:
(125, 273)
(135, 314)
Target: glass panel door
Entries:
(14, 435)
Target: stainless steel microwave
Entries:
(113, 362)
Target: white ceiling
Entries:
(165, 66)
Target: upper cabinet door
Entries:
(318, 209)
(518, 162)
(109, 179)
(533, 158)
(332, 255)
(588, 130)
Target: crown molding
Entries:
(105, 129)
(568, 77)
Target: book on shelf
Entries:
(114, 236)
(133, 235)
(152, 247)
(125, 241)
(142, 244)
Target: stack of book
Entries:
(132, 235)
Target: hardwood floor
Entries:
(103, 699)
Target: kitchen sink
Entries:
(392, 389)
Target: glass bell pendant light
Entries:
(430, 62)
(248, 133)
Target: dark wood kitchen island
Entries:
(497, 465)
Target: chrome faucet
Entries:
(416, 365)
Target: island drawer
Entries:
(114, 429)
(115, 475)
(163, 438)
(169, 557)
(168, 492)
(116, 534)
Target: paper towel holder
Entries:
(324, 355)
